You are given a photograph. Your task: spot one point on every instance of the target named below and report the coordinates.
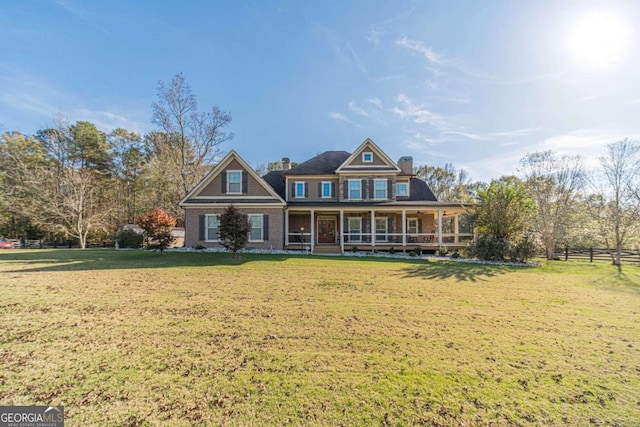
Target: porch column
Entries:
(404, 227)
(313, 233)
(439, 227)
(341, 226)
(286, 227)
(373, 228)
(456, 227)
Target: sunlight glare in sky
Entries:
(599, 40)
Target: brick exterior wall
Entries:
(276, 227)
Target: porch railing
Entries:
(412, 239)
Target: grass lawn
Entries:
(137, 338)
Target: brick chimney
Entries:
(406, 164)
(286, 164)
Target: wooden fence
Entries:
(594, 254)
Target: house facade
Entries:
(333, 202)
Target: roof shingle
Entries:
(322, 164)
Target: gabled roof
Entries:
(368, 144)
(232, 155)
(322, 164)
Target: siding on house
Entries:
(214, 188)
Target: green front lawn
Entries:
(137, 338)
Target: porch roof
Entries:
(369, 204)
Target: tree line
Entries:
(553, 202)
(76, 181)
(72, 180)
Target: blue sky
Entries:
(474, 83)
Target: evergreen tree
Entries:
(234, 229)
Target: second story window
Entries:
(380, 189)
(325, 190)
(402, 189)
(355, 189)
(234, 182)
(300, 190)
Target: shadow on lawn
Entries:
(44, 260)
(458, 270)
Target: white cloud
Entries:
(108, 120)
(471, 136)
(340, 117)
(419, 47)
(408, 108)
(516, 132)
(39, 98)
(376, 102)
(356, 109)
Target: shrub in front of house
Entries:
(490, 248)
(129, 239)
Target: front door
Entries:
(327, 230)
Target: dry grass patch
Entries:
(134, 338)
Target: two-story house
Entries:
(332, 202)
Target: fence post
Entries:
(566, 253)
(590, 254)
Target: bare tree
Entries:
(69, 202)
(553, 182)
(621, 170)
(60, 180)
(447, 183)
(193, 137)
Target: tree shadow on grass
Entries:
(468, 272)
(46, 260)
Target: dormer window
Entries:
(367, 157)
(402, 189)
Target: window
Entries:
(325, 190)
(255, 235)
(380, 189)
(412, 226)
(367, 157)
(234, 182)
(402, 189)
(355, 229)
(300, 187)
(211, 232)
(381, 229)
(355, 192)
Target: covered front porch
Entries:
(383, 228)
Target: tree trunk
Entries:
(551, 253)
(617, 259)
